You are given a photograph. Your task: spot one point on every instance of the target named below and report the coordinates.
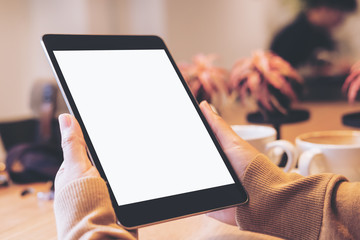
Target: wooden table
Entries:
(323, 116)
(24, 217)
(28, 218)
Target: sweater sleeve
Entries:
(291, 206)
(83, 210)
(342, 212)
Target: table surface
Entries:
(28, 218)
(323, 116)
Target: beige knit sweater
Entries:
(285, 205)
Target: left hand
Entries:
(76, 163)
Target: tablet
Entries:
(143, 128)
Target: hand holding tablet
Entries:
(177, 171)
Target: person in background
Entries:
(33, 149)
(284, 205)
(307, 43)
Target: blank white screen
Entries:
(145, 130)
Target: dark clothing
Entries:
(298, 42)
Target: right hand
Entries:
(238, 151)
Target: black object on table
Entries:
(293, 116)
(351, 119)
(26, 131)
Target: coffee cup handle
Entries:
(289, 149)
(306, 159)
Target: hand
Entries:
(238, 151)
(76, 163)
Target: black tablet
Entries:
(143, 128)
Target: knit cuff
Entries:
(79, 198)
(281, 204)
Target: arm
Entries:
(290, 206)
(82, 203)
(342, 211)
(83, 210)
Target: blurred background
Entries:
(231, 29)
(222, 49)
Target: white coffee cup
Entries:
(330, 151)
(263, 138)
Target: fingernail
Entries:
(64, 121)
(210, 108)
(207, 105)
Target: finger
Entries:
(72, 141)
(239, 152)
(226, 215)
(227, 137)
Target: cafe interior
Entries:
(284, 76)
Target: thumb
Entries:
(226, 136)
(72, 141)
(239, 152)
(76, 163)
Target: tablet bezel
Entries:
(161, 209)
